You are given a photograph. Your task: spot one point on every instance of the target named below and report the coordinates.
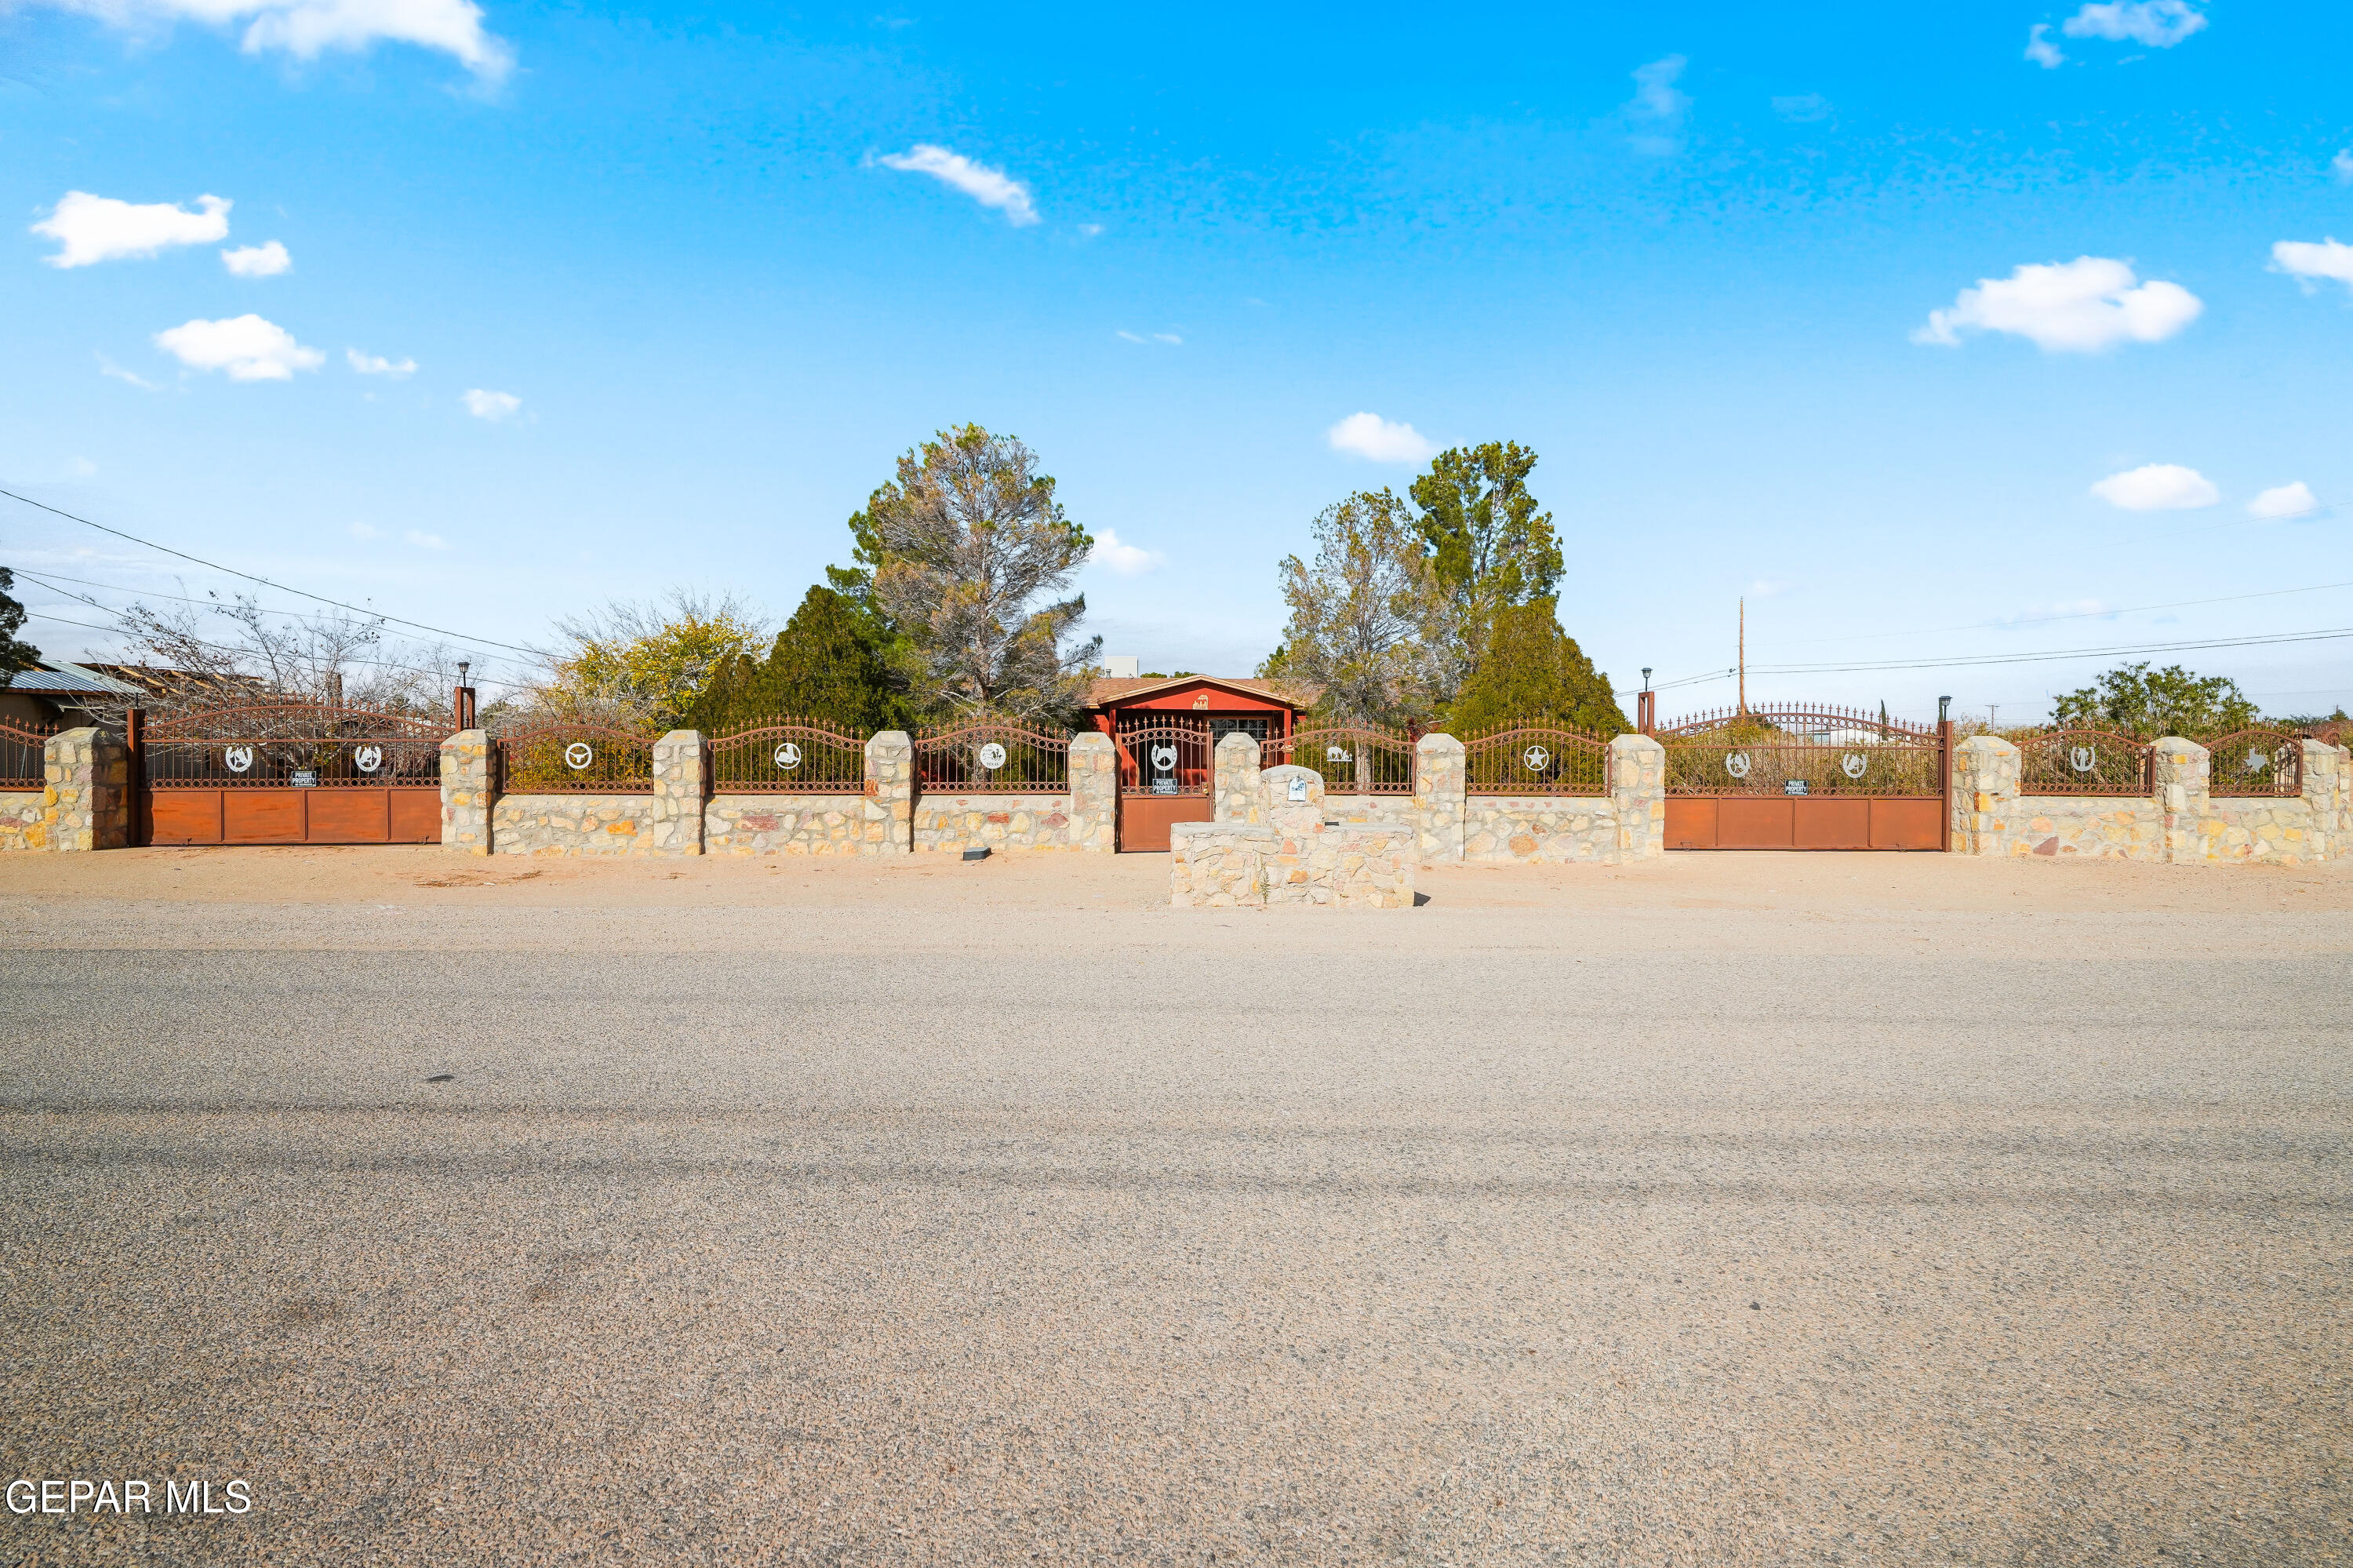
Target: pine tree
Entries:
(826, 666)
(1535, 674)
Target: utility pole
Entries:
(1743, 656)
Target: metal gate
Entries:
(1166, 771)
(1808, 779)
(289, 773)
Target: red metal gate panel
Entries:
(1798, 777)
(289, 773)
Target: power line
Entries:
(1982, 660)
(2072, 615)
(281, 588)
(48, 581)
(225, 648)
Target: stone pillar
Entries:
(1094, 793)
(1985, 794)
(466, 797)
(1441, 789)
(2324, 768)
(1237, 779)
(2184, 777)
(891, 793)
(1292, 800)
(1638, 793)
(679, 764)
(86, 802)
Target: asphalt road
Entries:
(1559, 1223)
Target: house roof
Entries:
(178, 685)
(1109, 689)
(71, 680)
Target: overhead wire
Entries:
(281, 588)
(50, 581)
(226, 648)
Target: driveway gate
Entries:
(289, 773)
(1808, 779)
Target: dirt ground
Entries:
(1727, 1208)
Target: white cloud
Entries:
(1370, 436)
(425, 541)
(109, 369)
(378, 364)
(1127, 560)
(101, 228)
(2040, 49)
(257, 260)
(2302, 259)
(2084, 305)
(365, 531)
(2158, 487)
(307, 28)
(989, 186)
(1090, 231)
(2341, 165)
(248, 347)
(2160, 23)
(1169, 338)
(1655, 96)
(491, 406)
(2284, 501)
(1804, 109)
(1657, 102)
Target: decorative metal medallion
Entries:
(1536, 757)
(992, 756)
(1163, 758)
(367, 758)
(1336, 754)
(788, 757)
(2255, 760)
(578, 756)
(1853, 762)
(1736, 764)
(238, 757)
(2083, 759)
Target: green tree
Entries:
(1489, 549)
(15, 654)
(2149, 703)
(963, 555)
(1359, 614)
(1534, 673)
(827, 666)
(645, 664)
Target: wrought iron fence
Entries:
(2084, 762)
(1174, 757)
(1800, 719)
(1536, 761)
(992, 758)
(2255, 763)
(23, 755)
(1354, 760)
(298, 745)
(788, 755)
(550, 757)
(1755, 759)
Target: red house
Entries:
(1167, 730)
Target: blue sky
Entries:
(679, 285)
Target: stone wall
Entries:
(466, 793)
(794, 824)
(22, 815)
(1505, 830)
(1291, 853)
(573, 824)
(2179, 822)
(951, 823)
